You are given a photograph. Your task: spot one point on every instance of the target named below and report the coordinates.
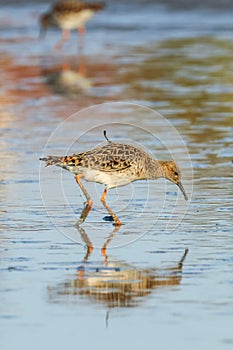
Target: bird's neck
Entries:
(154, 169)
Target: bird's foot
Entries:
(88, 203)
(117, 223)
(80, 221)
(108, 218)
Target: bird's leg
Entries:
(65, 36)
(86, 210)
(89, 202)
(86, 194)
(113, 215)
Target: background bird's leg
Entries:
(65, 36)
(89, 202)
(81, 39)
(113, 215)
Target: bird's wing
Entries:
(109, 158)
(112, 164)
(70, 6)
(106, 163)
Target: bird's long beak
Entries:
(179, 184)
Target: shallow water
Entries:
(132, 290)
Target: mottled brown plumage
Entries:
(116, 164)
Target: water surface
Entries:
(54, 291)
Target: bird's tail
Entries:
(53, 160)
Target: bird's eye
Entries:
(176, 174)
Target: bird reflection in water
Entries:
(88, 243)
(69, 78)
(116, 283)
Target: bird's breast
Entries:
(109, 179)
(73, 20)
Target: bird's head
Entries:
(46, 20)
(172, 173)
